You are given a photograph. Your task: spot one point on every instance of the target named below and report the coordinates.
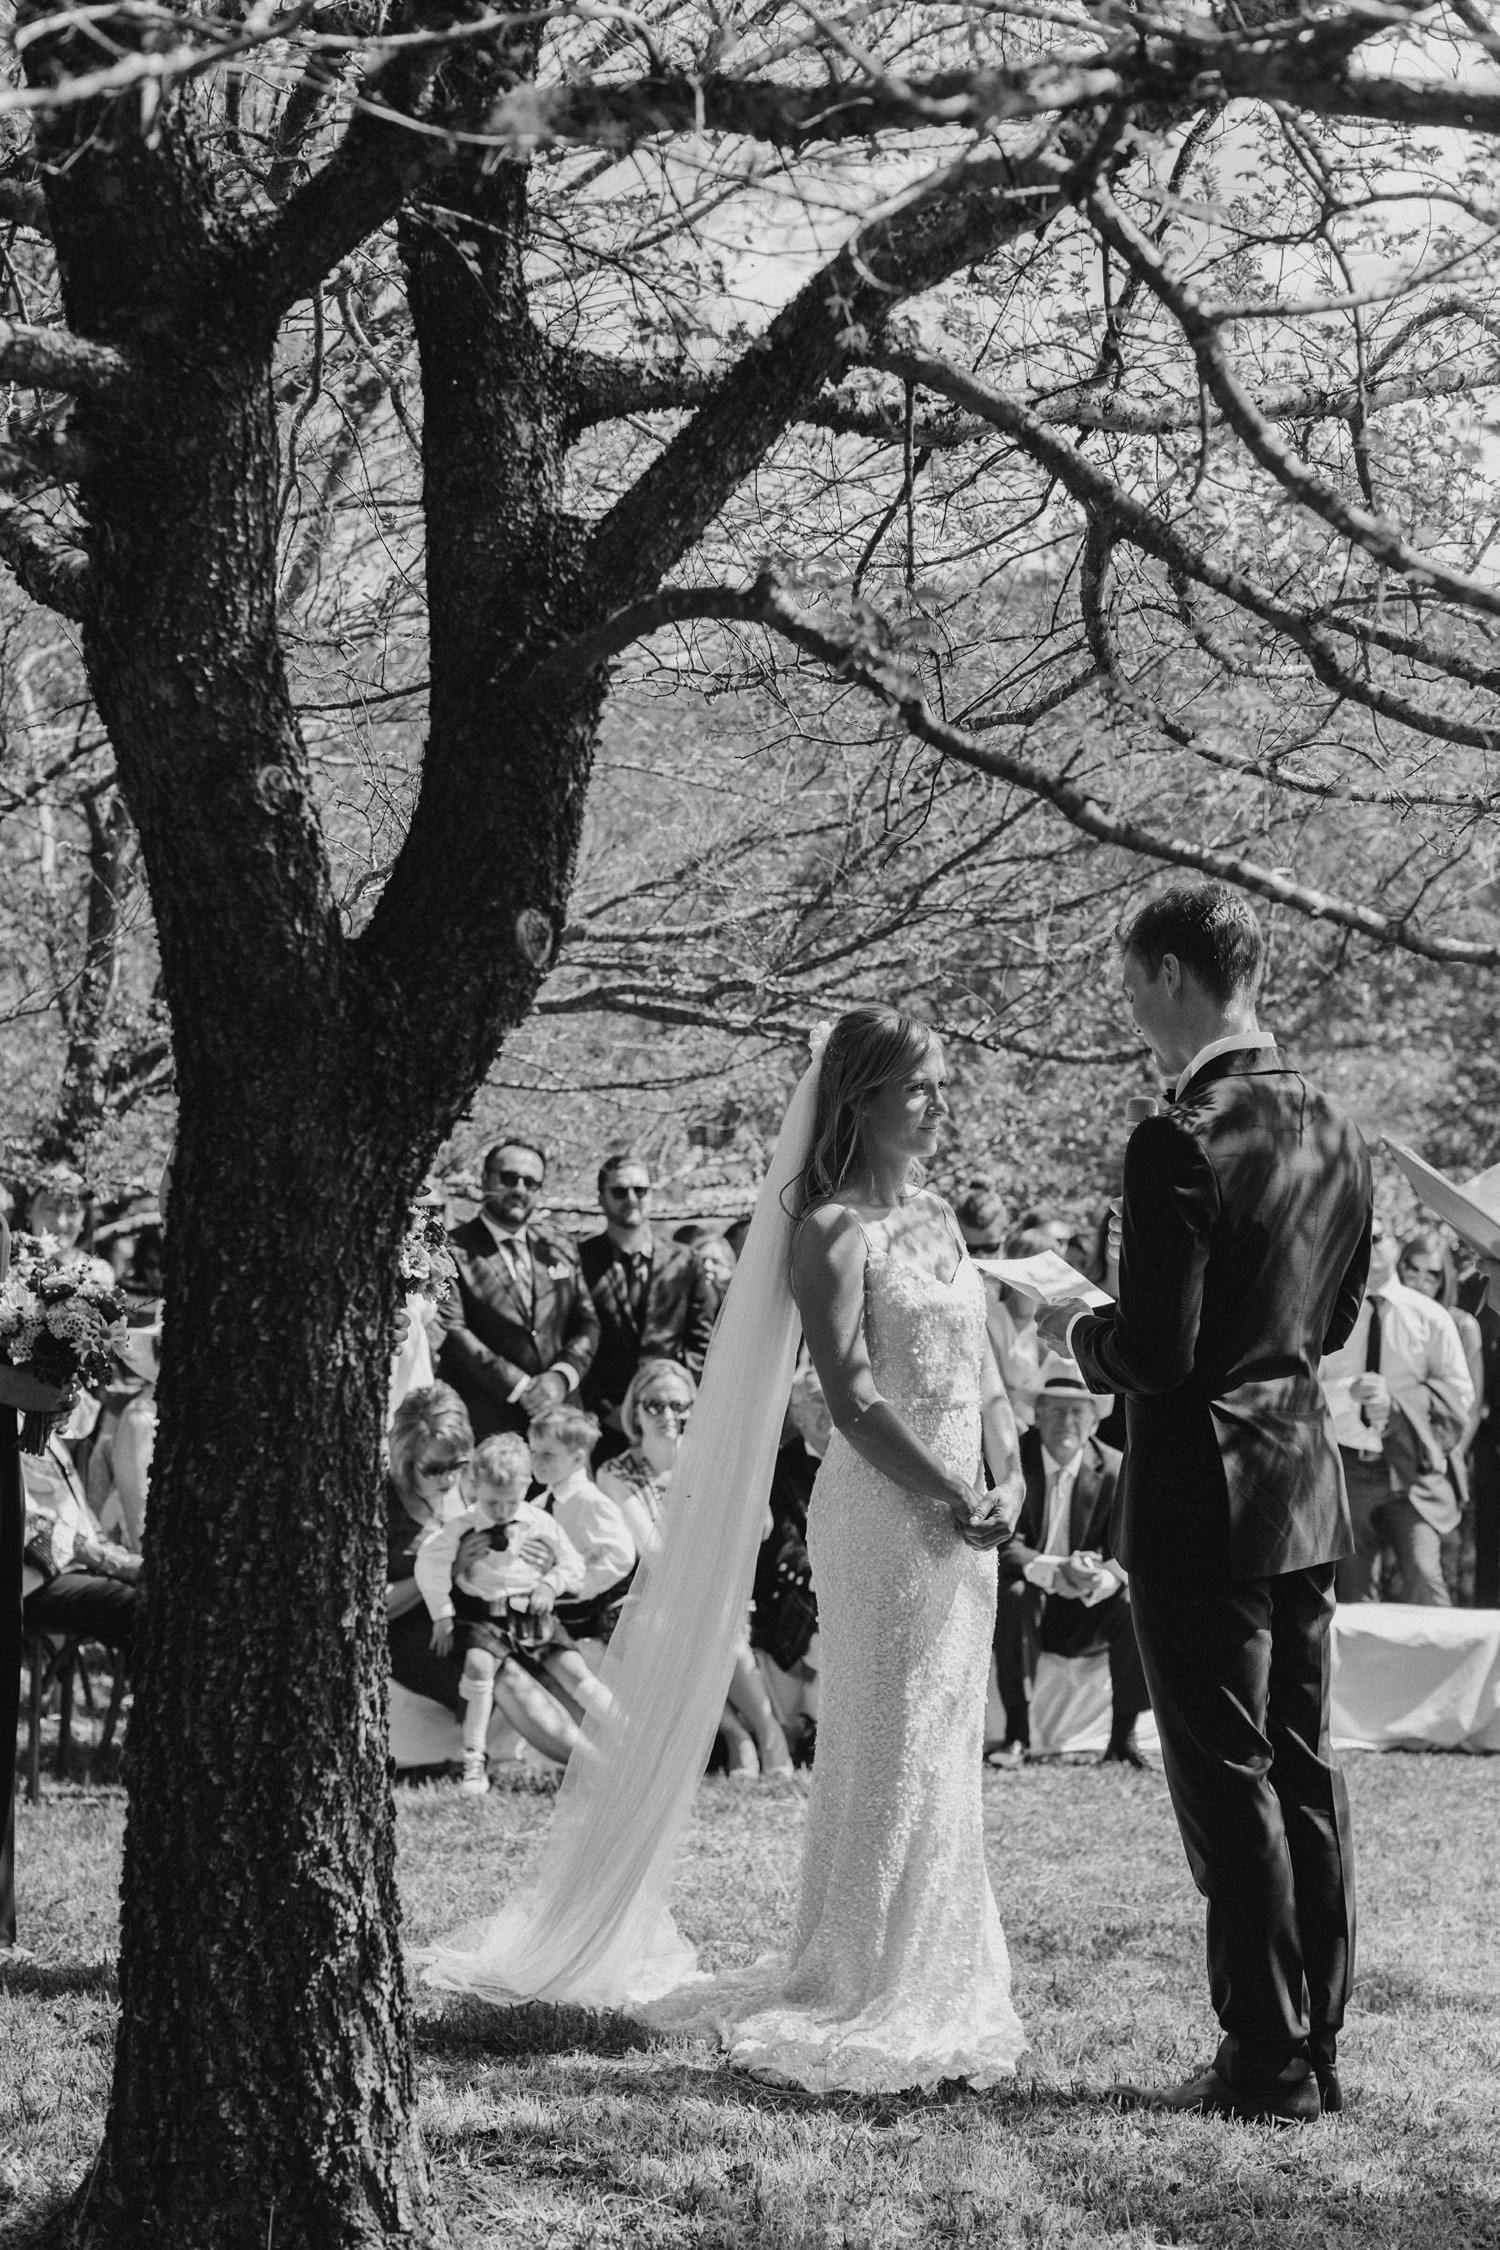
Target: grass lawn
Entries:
(556, 2131)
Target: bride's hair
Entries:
(866, 1049)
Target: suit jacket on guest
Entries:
(675, 1322)
(495, 1343)
(1245, 1246)
(1090, 1505)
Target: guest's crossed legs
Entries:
(1239, 1672)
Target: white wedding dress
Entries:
(897, 1974)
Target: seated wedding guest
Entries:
(125, 1453)
(650, 1294)
(1401, 1396)
(655, 1413)
(1059, 1592)
(490, 1577)
(429, 1447)
(75, 1581)
(562, 1440)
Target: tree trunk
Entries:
(263, 2087)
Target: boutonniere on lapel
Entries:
(559, 1272)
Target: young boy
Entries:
(494, 1594)
(562, 1439)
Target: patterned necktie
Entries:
(1372, 1354)
(637, 1274)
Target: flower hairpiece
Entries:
(818, 1037)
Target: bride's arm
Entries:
(828, 1282)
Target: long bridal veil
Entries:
(591, 1921)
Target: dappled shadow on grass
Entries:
(40, 2223)
(21, 1977)
(470, 2028)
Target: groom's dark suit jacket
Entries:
(493, 1339)
(1245, 1246)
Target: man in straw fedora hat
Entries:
(1059, 1592)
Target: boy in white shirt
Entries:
(562, 1440)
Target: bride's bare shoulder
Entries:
(825, 1230)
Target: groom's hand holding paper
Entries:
(1047, 1279)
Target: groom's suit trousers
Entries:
(1240, 1671)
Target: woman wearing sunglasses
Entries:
(653, 1414)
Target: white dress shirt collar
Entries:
(1233, 1042)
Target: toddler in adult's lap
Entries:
(491, 1578)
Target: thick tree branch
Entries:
(1289, 61)
(44, 563)
(850, 655)
(362, 185)
(950, 219)
(51, 359)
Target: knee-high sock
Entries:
(479, 1701)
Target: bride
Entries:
(896, 1974)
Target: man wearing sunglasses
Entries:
(519, 1327)
(652, 1296)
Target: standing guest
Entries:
(1058, 1589)
(1401, 1397)
(980, 1213)
(1483, 1305)
(1427, 1264)
(716, 1257)
(57, 1205)
(519, 1330)
(1245, 1240)
(651, 1296)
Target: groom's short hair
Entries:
(1212, 930)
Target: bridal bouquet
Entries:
(426, 1263)
(59, 1325)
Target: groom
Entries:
(1245, 1240)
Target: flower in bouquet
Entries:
(426, 1263)
(59, 1324)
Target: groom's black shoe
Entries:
(1330, 2092)
(1124, 1750)
(1288, 2100)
